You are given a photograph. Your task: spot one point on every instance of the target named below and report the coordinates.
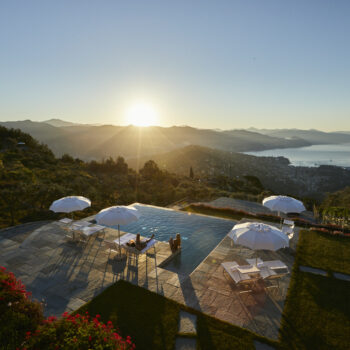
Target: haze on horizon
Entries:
(223, 64)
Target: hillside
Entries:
(338, 199)
(31, 177)
(315, 137)
(102, 141)
(59, 122)
(275, 173)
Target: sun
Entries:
(141, 114)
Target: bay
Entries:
(312, 156)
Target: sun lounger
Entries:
(83, 233)
(275, 265)
(231, 268)
(81, 223)
(254, 261)
(91, 230)
(267, 273)
(248, 269)
(65, 221)
(127, 237)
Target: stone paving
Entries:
(211, 290)
(65, 275)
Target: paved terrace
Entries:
(65, 275)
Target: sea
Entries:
(312, 156)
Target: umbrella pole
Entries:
(120, 250)
(279, 214)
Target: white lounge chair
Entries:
(275, 265)
(127, 237)
(267, 273)
(254, 261)
(231, 268)
(83, 233)
(65, 221)
(91, 230)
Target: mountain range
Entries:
(313, 136)
(101, 141)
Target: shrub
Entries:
(22, 324)
(18, 314)
(76, 332)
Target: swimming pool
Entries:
(200, 234)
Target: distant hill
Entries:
(97, 142)
(275, 173)
(313, 136)
(59, 123)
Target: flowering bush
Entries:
(22, 325)
(76, 332)
(18, 314)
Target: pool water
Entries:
(200, 234)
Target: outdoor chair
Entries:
(131, 236)
(84, 233)
(275, 265)
(240, 279)
(254, 261)
(66, 221)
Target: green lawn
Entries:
(316, 314)
(152, 320)
(324, 251)
(317, 308)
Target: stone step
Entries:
(262, 346)
(184, 343)
(187, 323)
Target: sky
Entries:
(208, 64)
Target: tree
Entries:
(191, 173)
(150, 170)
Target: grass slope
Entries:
(152, 320)
(316, 315)
(317, 308)
(321, 250)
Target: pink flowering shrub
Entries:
(18, 314)
(23, 326)
(76, 332)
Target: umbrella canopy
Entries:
(117, 215)
(284, 204)
(255, 235)
(70, 204)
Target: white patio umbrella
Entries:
(117, 215)
(255, 235)
(283, 204)
(70, 204)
